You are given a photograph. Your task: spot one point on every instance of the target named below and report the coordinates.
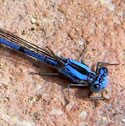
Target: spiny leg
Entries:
(46, 74)
(84, 50)
(95, 98)
(76, 85)
(55, 55)
(104, 63)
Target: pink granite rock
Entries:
(64, 26)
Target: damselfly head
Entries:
(101, 80)
(95, 87)
(103, 71)
(98, 86)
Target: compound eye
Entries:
(95, 88)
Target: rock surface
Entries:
(64, 26)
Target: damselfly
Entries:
(78, 72)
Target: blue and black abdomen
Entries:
(40, 57)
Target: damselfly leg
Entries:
(54, 55)
(102, 72)
(46, 74)
(84, 85)
(95, 98)
(76, 85)
(84, 51)
(99, 64)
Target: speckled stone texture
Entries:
(63, 25)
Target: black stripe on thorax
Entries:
(79, 69)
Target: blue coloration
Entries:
(76, 71)
(72, 70)
(101, 81)
(40, 57)
(10, 44)
(104, 83)
(103, 71)
(84, 66)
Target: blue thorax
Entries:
(80, 73)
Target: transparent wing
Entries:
(21, 42)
